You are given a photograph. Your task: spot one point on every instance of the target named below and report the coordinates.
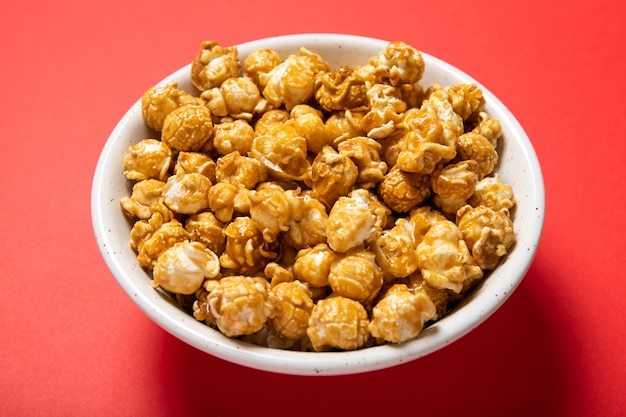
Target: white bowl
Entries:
(518, 167)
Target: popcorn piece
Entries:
(188, 128)
(354, 220)
(467, 100)
(340, 89)
(238, 97)
(142, 229)
(493, 193)
(312, 265)
(395, 250)
(338, 322)
(454, 184)
(144, 194)
(226, 200)
(489, 234)
(207, 229)
(293, 305)
(235, 136)
(342, 125)
(307, 221)
(148, 159)
(365, 153)
(398, 63)
(259, 63)
(332, 175)
(439, 297)
(270, 209)
(195, 162)
(267, 119)
(489, 127)
(402, 191)
(283, 152)
(246, 251)
(277, 273)
(309, 124)
(159, 101)
(213, 65)
(475, 146)
(154, 244)
(242, 171)
(400, 315)
(182, 268)
(432, 131)
(422, 218)
(444, 259)
(385, 109)
(356, 276)
(237, 305)
(292, 82)
(187, 193)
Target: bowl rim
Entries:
(444, 332)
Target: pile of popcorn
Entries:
(297, 206)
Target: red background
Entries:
(73, 344)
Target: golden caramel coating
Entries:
(365, 153)
(309, 124)
(493, 193)
(188, 128)
(454, 184)
(395, 250)
(355, 219)
(237, 97)
(338, 322)
(292, 82)
(340, 89)
(242, 171)
(238, 305)
(164, 237)
(149, 158)
(205, 228)
(276, 273)
(312, 265)
(391, 146)
(195, 162)
(307, 220)
(144, 194)
(422, 218)
(159, 101)
(282, 151)
(142, 229)
(385, 110)
(400, 315)
(444, 259)
(356, 276)
(332, 175)
(246, 251)
(187, 193)
(472, 145)
(293, 305)
(260, 62)
(402, 190)
(489, 234)
(439, 297)
(267, 119)
(342, 125)
(489, 127)
(235, 136)
(467, 100)
(398, 63)
(432, 131)
(213, 65)
(270, 209)
(182, 268)
(221, 198)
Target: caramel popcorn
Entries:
(297, 206)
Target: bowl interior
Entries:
(518, 166)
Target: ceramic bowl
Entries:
(518, 166)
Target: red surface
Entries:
(73, 344)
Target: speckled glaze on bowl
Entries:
(518, 166)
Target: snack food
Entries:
(355, 155)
